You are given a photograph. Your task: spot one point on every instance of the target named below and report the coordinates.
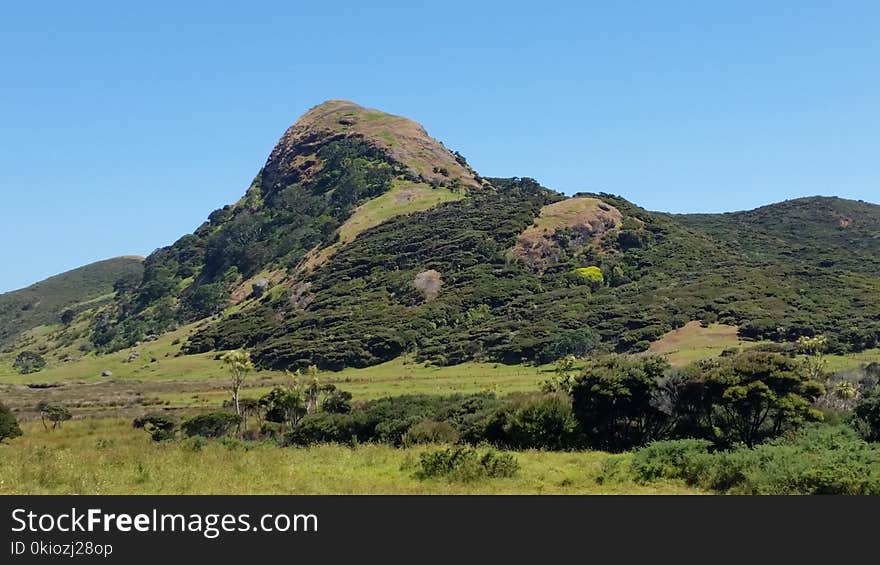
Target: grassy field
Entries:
(694, 342)
(99, 451)
(108, 456)
(852, 361)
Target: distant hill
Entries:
(362, 238)
(77, 290)
(822, 231)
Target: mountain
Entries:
(362, 238)
(76, 290)
(826, 231)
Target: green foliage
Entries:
(363, 309)
(160, 426)
(462, 463)
(817, 460)
(430, 431)
(283, 406)
(74, 291)
(211, 425)
(28, 362)
(867, 415)
(670, 459)
(534, 422)
(239, 364)
(616, 402)
(754, 396)
(581, 342)
(388, 420)
(54, 413)
(196, 274)
(337, 402)
(591, 276)
(9, 428)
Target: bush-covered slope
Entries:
(654, 274)
(44, 302)
(332, 162)
(369, 239)
(832, 233)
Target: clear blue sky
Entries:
(122, 127)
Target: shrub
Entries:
(159, 426)
(325, 427)
(9, 428)
(54, 413)
(534, 422)
(615, 402)
(211, 425)
(462, 463)
(67, 316)
(816, 460)
(591, 276)
(866, 416)
(755, 396)
(673, 459)
(430, 431)
(337, 402)
(28, 362)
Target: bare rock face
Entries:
(403, 140)
(259, 287)
(429, 282)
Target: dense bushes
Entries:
(9, 428)
(462, 463)
(28, 362)
(623, 402)
(542, 421)
(159, 426)
(211, 425)
(816, 460)
(389, 420)
(193, 277)
(618, 402)
(866, 415)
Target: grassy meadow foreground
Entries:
(109, 457)
(100, 452)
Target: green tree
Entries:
(54, 413)
(67, 317)
(616, 401)
(591, 276)
(284, 406)
(239, 364)
(9, 428)
(757, 395)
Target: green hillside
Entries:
(77, 290)
(452, 333)
(362, 239)
(819, 231)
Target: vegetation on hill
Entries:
(364, 239)
(64, 295)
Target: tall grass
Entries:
(110, 457)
